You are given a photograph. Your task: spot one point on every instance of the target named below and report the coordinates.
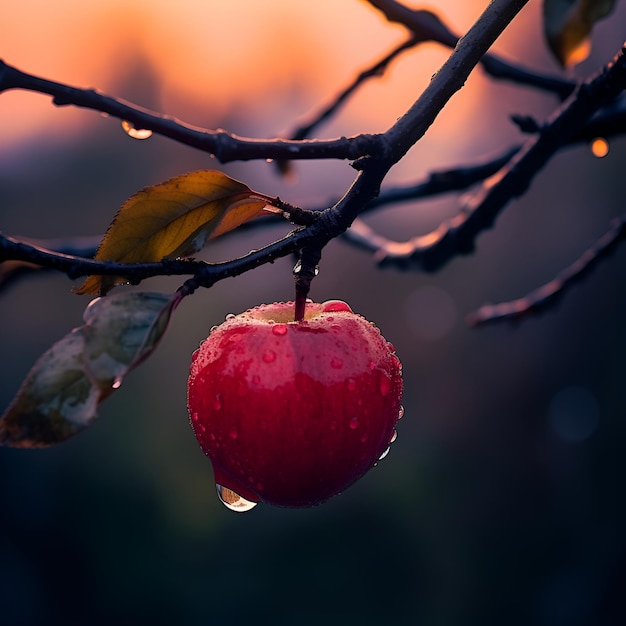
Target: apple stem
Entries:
(304, 271)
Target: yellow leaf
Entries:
(174, 219)
(568, 25)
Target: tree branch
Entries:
(546, 296)
(428, 27)
(225, 146)
(382, 152)
(457, 236)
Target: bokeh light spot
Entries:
(574, 414)
(600, 147)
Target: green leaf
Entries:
(121, 331)
(568, 24)
(174, 219)
(63, 390)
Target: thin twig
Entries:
(547, 295)
(457, 235)
(430, 27)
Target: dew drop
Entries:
(279, 329)
(384, 384)
(213, 328)
(354, 423)
(233, 434)
(194, 417)
(384, 454)
(217, 402)
(363, 438)
(391, 347)
(117, 383)
(351, 383)
(336, 363)
(230, 316)
(234, 501)
(269, 356)
(235, 337)
(394, 436)
(256, 379)
(400, 412)
(135, 133)
(333, 306)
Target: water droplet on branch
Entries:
(135, 133)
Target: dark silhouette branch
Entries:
(379, 153)
(547, 295)
(457, 235)
(429, 27)
(225, 146)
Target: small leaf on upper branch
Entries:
(63, 390)
(174, 219)
(567, 26)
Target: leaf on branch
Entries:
(174, 219)
(567, 26)
(63, 390)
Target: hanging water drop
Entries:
(234, 501)
(384, 454)
(117, 383)
(135, 133)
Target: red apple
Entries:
(292, 413)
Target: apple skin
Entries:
(292, 413)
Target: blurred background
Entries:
(502, 501)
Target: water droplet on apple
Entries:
(336, 363)
(384, 383)
(394, 436)
(384, 454)
(135, 133)
(233, 434)
(400, 412)
(230, 316)
(279, 329)
(354, 423)
(269, 356)
(332, 306)
(217, 401)
(234, 501)
(194, 417)
(212, 329)
(351, 383)
(117, 383)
